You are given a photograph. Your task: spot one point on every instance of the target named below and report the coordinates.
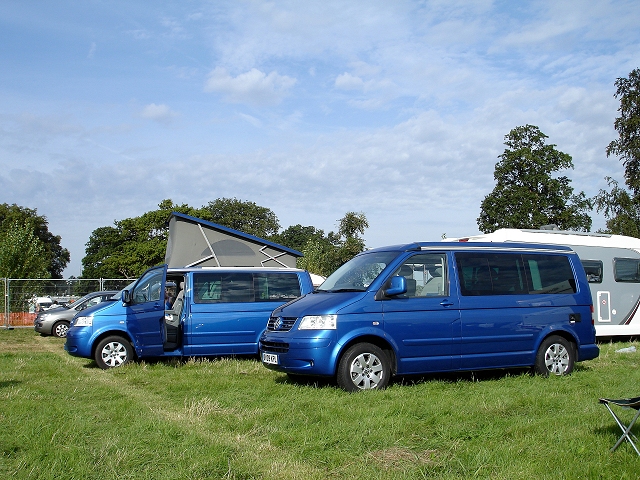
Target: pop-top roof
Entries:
(196, 242)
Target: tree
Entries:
(56, 257)
(526, 195)
(621, 207)
(245, 217)
(627, 146)
(22, 253)
(132, 245)
(323, 255)
(297, 236)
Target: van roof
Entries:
(233, 269)
(494, 246)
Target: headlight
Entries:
(83, 321)
(318, 322)
(45, 316)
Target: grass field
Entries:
(61, 417)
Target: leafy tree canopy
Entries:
(627, 146)
(22, 253)
(526, 194)
(297, 236)
(323, 255)
(132, 245)
(621, 207)
(245, 217)
(14, 217)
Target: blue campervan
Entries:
(437, 307)
(215, 311)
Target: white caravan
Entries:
(612, 265)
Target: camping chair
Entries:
(626, 431)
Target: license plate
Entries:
(270, 358)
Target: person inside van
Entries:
(170, 297)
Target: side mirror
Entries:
(398, 286)
(126, 296)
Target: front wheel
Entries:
(113, 352)
(556, 356)
(364, 366)
(60, 329)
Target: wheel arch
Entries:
(118, 333)
(376, 340)
(558, 333)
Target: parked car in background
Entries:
(55, 321)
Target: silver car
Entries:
(55, 321)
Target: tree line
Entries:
(132, 245)
(528, 193)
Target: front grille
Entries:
(274, 347)
(281, 324)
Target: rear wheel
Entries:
(364, 366)
(60, 329)
(113, 352)
(556, 356)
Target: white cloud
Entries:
(346, 81)
(158, 113)
(253, 87)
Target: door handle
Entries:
(446, 303)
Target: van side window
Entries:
(491, 274)
(550, 274)
(270, 287)
(242, 287)
(513, 274)
(593, 269)
(626, 270)
(425, 274)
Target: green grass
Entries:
(62, 417)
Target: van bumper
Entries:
(78, 341)
(588, 352)
(302, 356)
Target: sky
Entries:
(398, 110)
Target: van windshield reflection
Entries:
(358, 273)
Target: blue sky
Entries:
(312, 109)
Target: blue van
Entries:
(437, 307)
(215, 311)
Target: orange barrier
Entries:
(21, 319)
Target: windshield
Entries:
(358, 273)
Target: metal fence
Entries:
(20, 295)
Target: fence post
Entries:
(6, 305)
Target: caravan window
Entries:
(593, 269)
(626, 270)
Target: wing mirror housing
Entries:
(398, 286)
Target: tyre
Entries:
(556, 356)
(60, 329)
(113, 352)
(363, 366)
